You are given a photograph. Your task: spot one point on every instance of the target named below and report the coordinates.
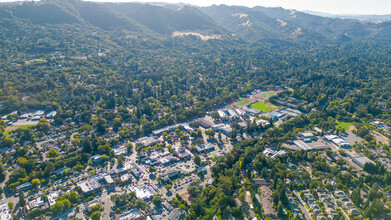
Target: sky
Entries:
(328, 6)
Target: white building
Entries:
(5, 212)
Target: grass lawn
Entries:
(266, 94)
(264, 106)
(240, 102)
(6, 133)
(25, 126)
(344, 125)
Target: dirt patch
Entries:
(185, 196)
(249, 100)
(240, 15)
(202, 37)
(12, 128)
(352, 128)
(380, 138)
(282, 23)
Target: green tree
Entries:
(157, 200)
(10, 205)
(96, 215)
(22, 200)
(53, 153)
(35, 183)
(197, 159)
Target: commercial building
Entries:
(24, 186)
(170, 174)
(264, 123)
(24, 116)
(182, 153)
(133, 214)
(273, 153)
(120, 150)
(52, 198)
(88, 186)
(362, 160)
(33, 204)
(39, 113)
(148, 141)
(5, 213)
(172, 128)
(253, 112)
(240, 112)
(205, 148)
(144, 192)
(204, 122)
(51, 114)
(341, 143)
(301, 144)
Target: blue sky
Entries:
(329, 6)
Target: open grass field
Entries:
(8, 130)
(243, 101)
(264, 106)
(344, 125)
(266, 94)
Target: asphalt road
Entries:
(302, 206)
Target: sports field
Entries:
(243, 101)
(344, 125)
(264, 106)
(265, 95)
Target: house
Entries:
(96, 158)
(354, 211)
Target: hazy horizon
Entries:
(340, 7)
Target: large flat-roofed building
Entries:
(24, 116)
(51, 114)
(144, 192)
(170, 174)
(222, 115)
(362, 160)
(301, 144)
(120, 150)
(88, 186)
(148, 141)
(205, 148)
(133, 214)
(52, 198)
(253, 112)
(273, 153)
(24, 186)
(182, 153)
(337, 140)
(5, 213)
(240, 111)
(204, 122)
(36, 203)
